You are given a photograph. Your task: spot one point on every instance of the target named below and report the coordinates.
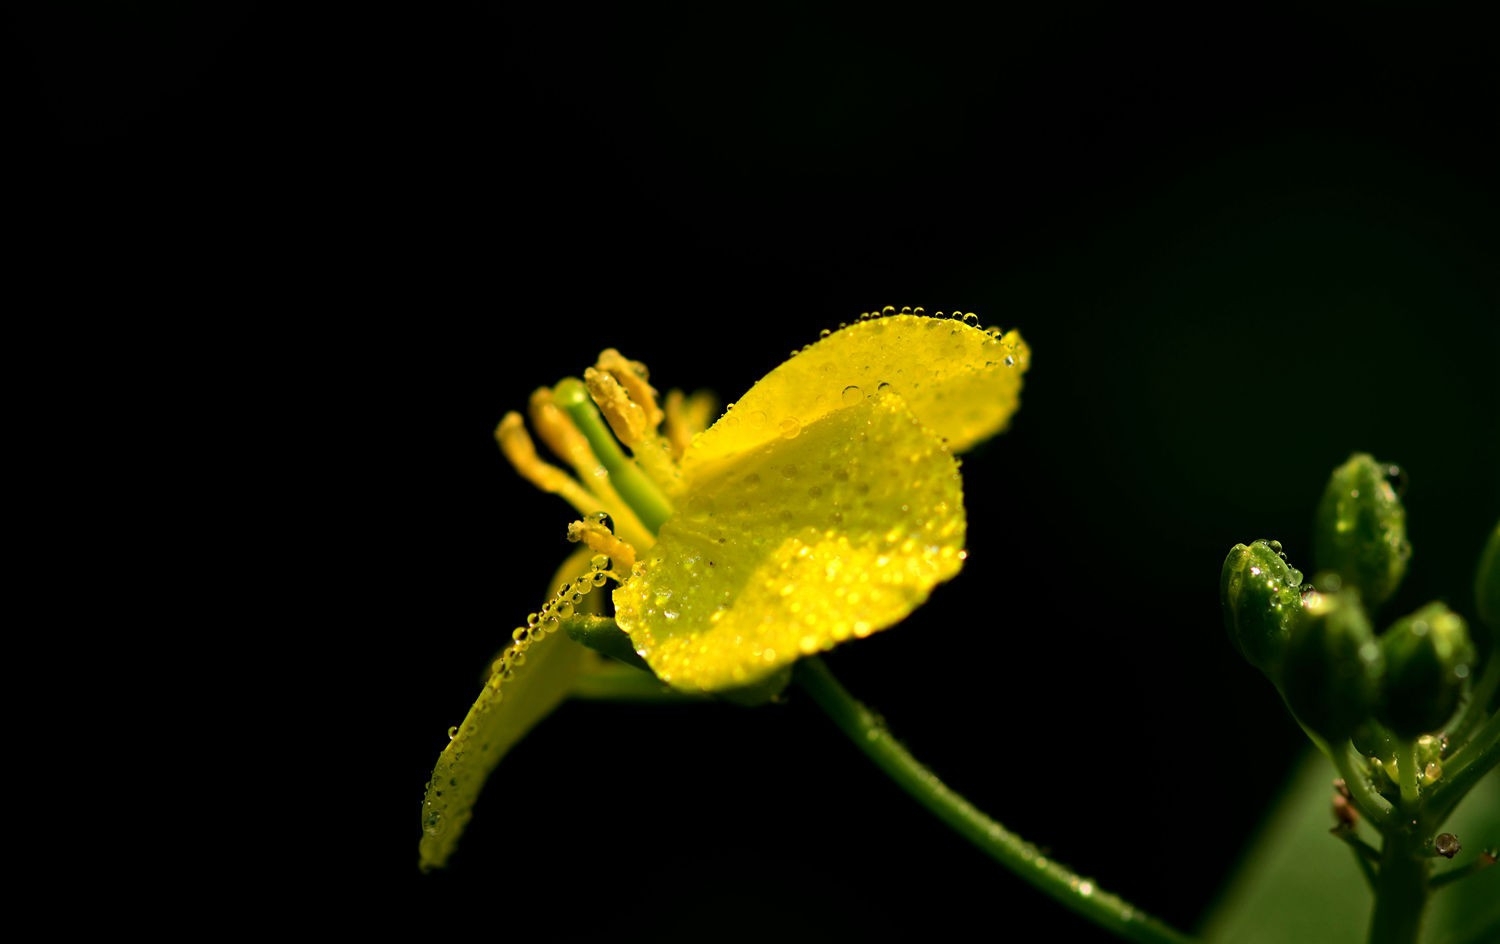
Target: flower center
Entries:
(590, 425)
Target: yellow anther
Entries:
(686, 417)
(625, 416)
(633, 376)
(600, 539)
(558, 431)
(561, 435)
(518, 448)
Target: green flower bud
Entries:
(1487, 582)
(1359, 529)
(1373, 739)
(1259, 593)
(1428, 655)
(1331, 671)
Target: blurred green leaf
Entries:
(1297, 883)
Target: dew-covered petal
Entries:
(837, 531)
(961, 381)
(507, 708)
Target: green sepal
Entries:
(1428, 656)
(1333, 665)
(1260, 594)
(1373, 739)
(601, 634)
(1359, 529)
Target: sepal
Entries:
(1333, 665)
(1359, 529)
(1428, 657)
(1260, 594)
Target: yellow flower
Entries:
(824, 505)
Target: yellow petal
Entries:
(504, 712)
(834, 531)
(961, 381)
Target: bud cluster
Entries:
(1316, 640)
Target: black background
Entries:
(1241, 244)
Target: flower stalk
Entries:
(1078, 894)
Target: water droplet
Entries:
(919, 311)
(603, 520)
(824, 333)
(1010, 360)
(453, 732)
(1274, 546)
(601, 562)
(852, 395)
(888, 310)
(790, 427)
(882, 387)
(1395, 477)
(565, 609)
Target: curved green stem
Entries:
(615, 681)
(1464, 769)
(1376, 808)
(1078, 894)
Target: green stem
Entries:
(1078, 894)
(1411, 776)
(1350, 763)
(1400, 889)
(1365, 855)
(1376, 808)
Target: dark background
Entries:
(1241, 244)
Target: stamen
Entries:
(627, 418)
(517, 446)
(640, 491)
(619, 388)
(555, 428)
(597, 537)
(633, 376)
(686, 417)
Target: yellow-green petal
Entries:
(960, 381)
(506, 709)
(834, 531)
